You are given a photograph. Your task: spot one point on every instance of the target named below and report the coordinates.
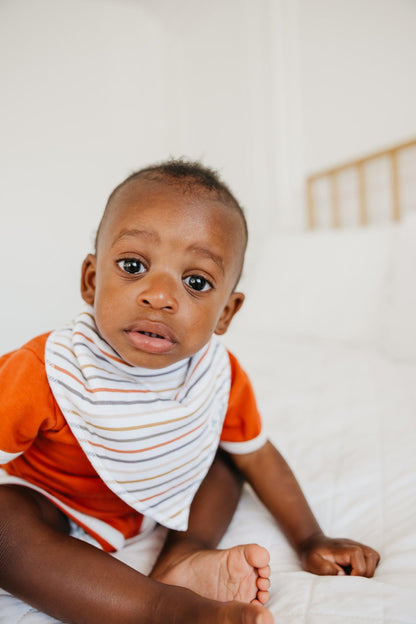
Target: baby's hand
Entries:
(324, 555)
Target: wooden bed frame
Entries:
(359, 166)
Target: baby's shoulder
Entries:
(37, 346)
(31, 354)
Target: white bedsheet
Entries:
(345, 419)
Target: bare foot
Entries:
(239, 573)
(238, 613)
(186, 607)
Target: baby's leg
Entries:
(189, 559)
(79, 584)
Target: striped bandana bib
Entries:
(151, 435)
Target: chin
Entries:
(150, 360)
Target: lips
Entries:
(151, 337)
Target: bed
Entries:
(328, 335)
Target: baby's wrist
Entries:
(309, 542)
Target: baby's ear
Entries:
(88, 273)
(234, 303)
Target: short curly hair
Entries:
(191, 177)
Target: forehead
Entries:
(186, 212)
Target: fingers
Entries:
(358, 560)
(342, 557)
(371, 558)
(324, 565)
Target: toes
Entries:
(263, 596)
(257, 556)
(264, 572)
(263, 584)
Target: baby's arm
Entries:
(276, 486)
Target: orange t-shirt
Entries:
(37, 445)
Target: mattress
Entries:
(344, 417)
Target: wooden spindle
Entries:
(310, 203)
(335, 214)
(395, 186)
(362, 194)
(360, 164)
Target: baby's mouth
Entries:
(151, 337)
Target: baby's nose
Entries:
(158, 292)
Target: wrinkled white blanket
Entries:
(345, 419)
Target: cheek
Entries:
(107, 310)
(101, 321)
(204, 322)
(110, 297)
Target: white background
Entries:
(265, 91)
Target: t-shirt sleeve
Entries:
(242, 430)
(26, 403)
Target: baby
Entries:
(113, 423)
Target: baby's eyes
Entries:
(197, 282)
(131, 265)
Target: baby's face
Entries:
(162, 279)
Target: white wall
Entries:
(79, 110)
(97, 88)
(358, 60)
(234, 76)
(93, 89)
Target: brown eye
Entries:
(131, 265)
(196, 282)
